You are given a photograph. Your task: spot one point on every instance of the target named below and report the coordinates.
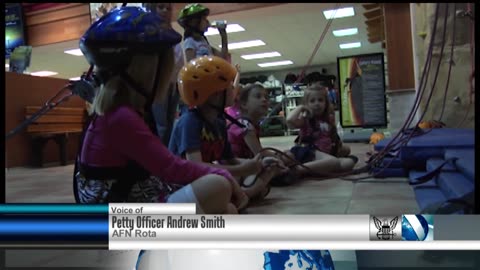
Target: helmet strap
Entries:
(148, 116)
(221, 111)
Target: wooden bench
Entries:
(56, 124)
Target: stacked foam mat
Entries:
(425, 154)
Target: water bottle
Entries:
(339, 130)
(219, 24)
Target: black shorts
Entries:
(304, 153)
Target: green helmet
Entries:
(191, 11)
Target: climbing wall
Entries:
(458, 96)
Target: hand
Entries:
(237, 67)
(274, 164)
(221, 27)
(305, 112)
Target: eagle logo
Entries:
(385, 228)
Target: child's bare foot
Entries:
(255, 186)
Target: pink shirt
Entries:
(236, 137)
(321, 134)
(122, 135)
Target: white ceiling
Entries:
(291, 29)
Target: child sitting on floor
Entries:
(252, 105)
(201, 135)
(318, 146)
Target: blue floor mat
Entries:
(381, 144)
(392, 162)
(427, 196)
(412, 175)
(454, 185)
(441, 137)
(433, 163)
(465, 163)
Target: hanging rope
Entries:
(317, 46)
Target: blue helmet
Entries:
(111, 41)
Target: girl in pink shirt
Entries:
(121, 159)
(318, 146)
(252, 105)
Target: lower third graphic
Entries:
(417, 228)
(385, 228)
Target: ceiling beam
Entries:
(375, 39)
(376, 28)
(373, 13)
(371, 6)
(374, 21)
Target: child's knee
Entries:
(221, 183)
(217, 185)
(332, 163)
(344, 151)
(231, 209)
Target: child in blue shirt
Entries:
(201, 135)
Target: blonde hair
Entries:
(315, 89)
(117, 92)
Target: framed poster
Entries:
(362, 91)
(14, 28)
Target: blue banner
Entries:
(49, 208)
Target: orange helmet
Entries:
(376, 137)
(203, 77)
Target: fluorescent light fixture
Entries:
(273, 64)
(260, 55)
(350, 45)
(75, 52)
(43, 73)
(244, 44)
(341, 12)
(75, 79)
(345, 32)
(231, 28)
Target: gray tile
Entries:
(331, 205)
(308, 196)
(314, 189)
(383, 190)
(383, 207)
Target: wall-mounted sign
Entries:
(362, 90)
(14, 31)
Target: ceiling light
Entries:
(345, 32)
(231, 28)
(273, 64)
(260, 55)
(75, 79)
(75, 52)
(244, 44)
(350, 45)
(340, 13)
(7, 65)
(43, 73)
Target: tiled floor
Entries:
(333, 196)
